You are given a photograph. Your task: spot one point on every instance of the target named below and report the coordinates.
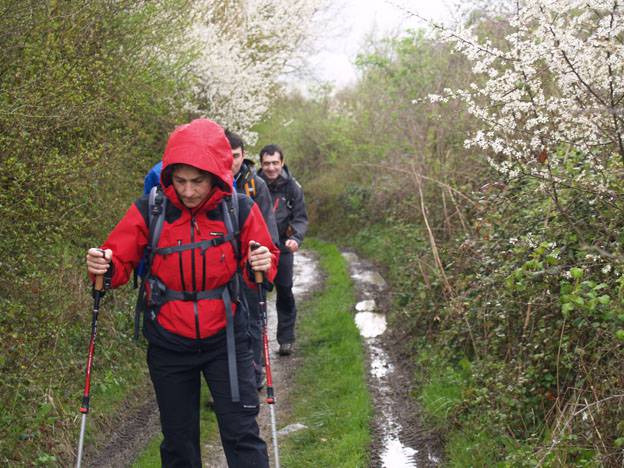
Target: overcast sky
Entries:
(348, 23)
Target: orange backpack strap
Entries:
(250, 188)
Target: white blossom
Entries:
(555, 82)
(245, 47)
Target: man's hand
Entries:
(98, 260)
(292, 245)
(260, 258)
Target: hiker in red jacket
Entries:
(194, 322)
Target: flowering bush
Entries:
(555, 80)
(244, 49)
(548, 94)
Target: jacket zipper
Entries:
(181, 267)
(195, 305)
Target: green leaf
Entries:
(604, 299)
(567, 308)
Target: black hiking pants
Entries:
(255, 332)
(285, 301)
(177, 381)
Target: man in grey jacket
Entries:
(292, 224)
(248, 182)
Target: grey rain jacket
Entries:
(288, 207)
(254, 186)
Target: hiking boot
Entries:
(285, 349)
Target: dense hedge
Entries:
(89, 92)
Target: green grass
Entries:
(330, 394)
(444, 387)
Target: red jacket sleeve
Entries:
(127, 241)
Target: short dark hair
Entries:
(169, 170)
(271, 149)
(235, 140)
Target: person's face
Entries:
(272, 165)
(191, 185)
(238, 154)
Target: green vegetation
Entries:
(86, 103)
(330, 395)
(509, 284)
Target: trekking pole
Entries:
(270, 399)
(84, 408)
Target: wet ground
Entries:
(399, 439)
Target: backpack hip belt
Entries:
(159, 294)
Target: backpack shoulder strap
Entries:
(250, 188)
(156, 207)
(231, 219)
(290, 191)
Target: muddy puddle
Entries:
(398, 440)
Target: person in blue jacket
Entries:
(152, 179)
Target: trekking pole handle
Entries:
(99, 279)
(258, 275)
(99, 283)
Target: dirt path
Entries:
(399, 440)
(130, 432)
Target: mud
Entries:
(399, 437)
(130, 431)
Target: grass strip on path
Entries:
(330, 395)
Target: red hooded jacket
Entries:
(203, 145)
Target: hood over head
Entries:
(203, 145)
